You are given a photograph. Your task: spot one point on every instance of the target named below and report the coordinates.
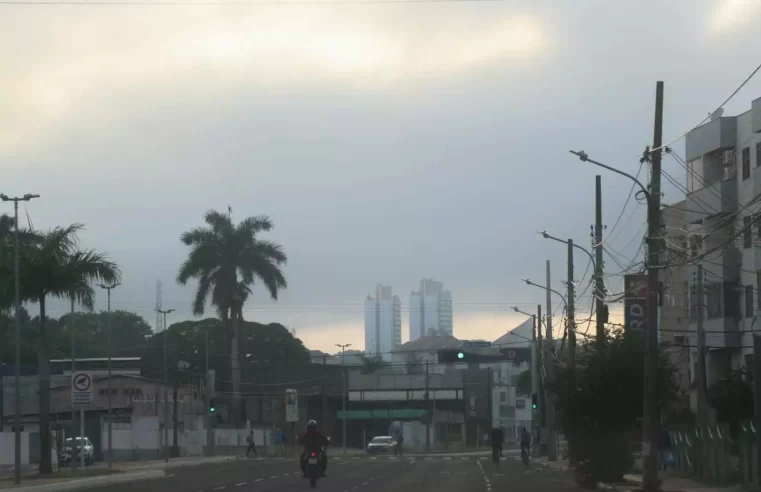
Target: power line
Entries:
(284, 3)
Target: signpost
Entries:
(635, 302)
(81, 398)
(476, 344)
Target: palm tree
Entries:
(53, 266)
(226, 259)
(7, 248)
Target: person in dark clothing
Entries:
(497, 439)
(525, 439)
(251, 445)
(313, 441)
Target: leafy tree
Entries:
(271, 344)
(226, 259)
(372, 364)
(600, 403)
(523, 386)
(54, 266)
(732, 398)
(129, 334)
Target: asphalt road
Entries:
(419, 474)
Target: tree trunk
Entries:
(46, 465)
(235, 368)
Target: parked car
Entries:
(381, 444)
(73, 446)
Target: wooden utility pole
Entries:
(550, 368)
(600, 308)
(571, 310)
(650, 414)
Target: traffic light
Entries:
(212, 407)
(534, 401)
(460, 355)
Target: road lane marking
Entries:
(273, 477)
(220, 488)
(429, 458)
(447, 457)
(240, 484)
(258, 480)
(364, 483)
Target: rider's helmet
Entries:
(312, 425)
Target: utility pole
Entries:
(541, 369)
(428, 422)
(550, 368)
(73, 369)
(571, 310)
(599, 288)
(108, 345)
(343, 391)
(17, 382)
(650, 405)
(535, 326)
(702, 417)
(757, 386)
(166, 382)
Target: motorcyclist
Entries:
(525, 440)
(313, 442)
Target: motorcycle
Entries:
(313, 468)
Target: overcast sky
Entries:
(388, 142)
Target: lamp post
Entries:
(108, 345)
(343, 391)
(166, 382)
(17, 382)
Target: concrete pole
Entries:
(550, 368)
(702, 416)
(571, 310)
(599, 283)
(534, 378)
(650, 413)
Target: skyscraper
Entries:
(430, 310)
(383, 322)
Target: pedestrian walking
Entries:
(251, 445)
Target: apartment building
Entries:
(383, 322)
(723, 165)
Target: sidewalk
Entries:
(670, 484)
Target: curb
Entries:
(93, 481)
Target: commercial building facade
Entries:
(430, 310)
(383, 322)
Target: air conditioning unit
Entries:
(730, 172)
(728, 157)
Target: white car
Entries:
(73, 446)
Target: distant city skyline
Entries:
(430, 310)
(383, 322)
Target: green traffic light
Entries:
(460, 355)
(212, 410)
(533, 405)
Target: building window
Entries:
(747, 232)
(746, 163)
(502, 396)
(713, 300)
(749, 301)
(758, 154)
(520, 403)
(696, 245)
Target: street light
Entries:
(584, 157)
(343, 390)
(17, 383)
(108, 345)
(547, 235)
(166, 381)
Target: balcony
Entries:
(718, 134)
(714, 199)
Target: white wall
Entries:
(8, 447)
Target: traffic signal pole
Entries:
(534, 382)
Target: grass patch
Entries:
(66, 472)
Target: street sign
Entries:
(476, 344)
(81, 390)
(291, 406)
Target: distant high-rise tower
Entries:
(383, 322)
(430, 310)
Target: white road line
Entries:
(258, 480)
(429, 458)
(447, 457)
(364, 483)
(220, 488)
(273, 477)
(240, 484)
